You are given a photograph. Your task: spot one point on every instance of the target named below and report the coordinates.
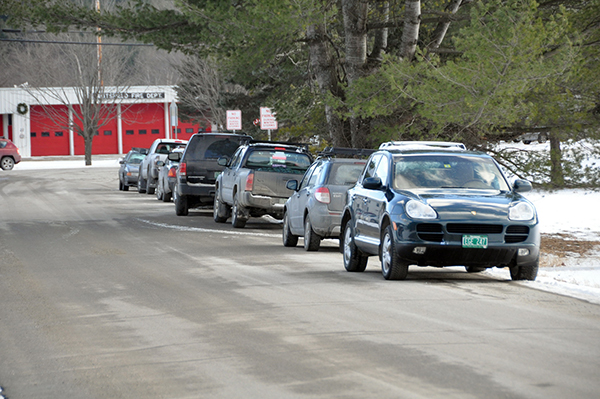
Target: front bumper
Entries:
(447, 249)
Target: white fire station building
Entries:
(138, 116)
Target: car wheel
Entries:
(220, 209)
(141, 185)
(289, 239)
(181, 205)
(237, 220)
(312, 241)
(121, 185)
(125, 187)
(166, 197)
(159, 192)
(150, 181)
(524, 272)
(391, 267)
(473, 269)
(354, 259)
(7, 163)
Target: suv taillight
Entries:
(322, 195)
(249, 182)
(172, 172)
(182, 169)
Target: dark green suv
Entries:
(437, 204)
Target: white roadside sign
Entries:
(267, 119)
(234, 120)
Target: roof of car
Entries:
(422, 146)
(278, 144)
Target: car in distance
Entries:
(437, 204)
(129, 168)
(198, 168)
(158, 151)
(9, 154)
(167, 175)
(253, 183)
(314, 210)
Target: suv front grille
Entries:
(469, 228)
(516, 234)
(430, 232)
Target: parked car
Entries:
(158, 151)
(437, 204)
(130, 166)
(314, 210)
(167, 175)
(528, 138)
(9, 154)
(198, 169)
(253, 182)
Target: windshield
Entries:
(136, 158)
(447, 171)
(278, 161)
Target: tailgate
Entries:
(272, 184)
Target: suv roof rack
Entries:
(421, 145)
(300, 145)
(347, 152)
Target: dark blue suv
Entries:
(437, 204)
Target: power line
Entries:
(83, 43)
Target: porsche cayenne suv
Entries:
(437, 204)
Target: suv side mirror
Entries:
(372, 183)
(222, 161)
(521, 186)
(292, 185)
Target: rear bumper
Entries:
(324, 222)
(271, 205)
(205, 192)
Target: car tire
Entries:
(7, 163)
(474, 269)
(236, 220)
(354, 259)
(312, 241)
(289, 239)
(121, 185)
(220, 209)
(141, 185)
(529, 273)
(125, 187)
(166, 197)
(392, 268)
(181, 205)
(149, 181)
(159, 192)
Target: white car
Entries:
(159, 150)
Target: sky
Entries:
(572, 212)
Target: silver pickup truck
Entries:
(254, 180)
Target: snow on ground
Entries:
(572, 212)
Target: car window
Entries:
(371, 166)
(383, 170)
(3, 143)
(221, 148)
(307, 175)
(316, 174)
(136, 158)
(345, 174)
(237, 157)
(277, 160)
(435, 171)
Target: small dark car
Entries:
(314, 210)
(9, 154)
(198, 169)
(437, 204)
(130, 166)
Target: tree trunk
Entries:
(410, 32)
(355, 32)
(557, 178)
(323, 66)
(442, 27)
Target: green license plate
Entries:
(474, 241)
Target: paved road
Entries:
(107, 294)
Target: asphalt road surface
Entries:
(108, 294)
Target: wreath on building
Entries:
(22, 108)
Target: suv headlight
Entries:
(419, 210)
(521, 211)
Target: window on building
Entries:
(97, 133)
(58, 134)
(45, 134)
(155, 131)
(33, 134)
(142, 131)
(108, 132)
(179, 130)
(129, 132)
(189, 130)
